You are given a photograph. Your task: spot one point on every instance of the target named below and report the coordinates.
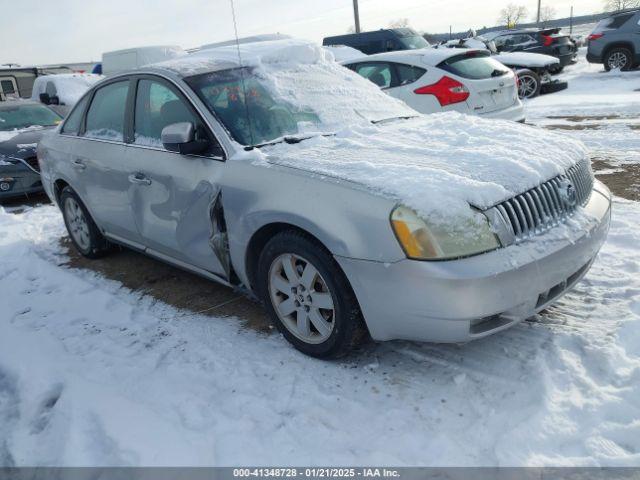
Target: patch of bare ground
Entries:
(622, 180)
(175, 287)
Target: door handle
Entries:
(79, 164)
(139, 179)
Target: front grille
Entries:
(548, 204)
(33, 163)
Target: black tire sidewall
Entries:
(97, 243)
(346, 310)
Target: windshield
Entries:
(258, 105)
(414, 42)
(17, 117)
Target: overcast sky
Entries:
(65, 31)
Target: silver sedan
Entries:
(270, 176)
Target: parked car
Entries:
(345, 211)
(436, 80)
(545, 41)
(615, 42)
(533, 69)
(378, 41)
(62, 91)
(22, 124)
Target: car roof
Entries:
(422, 56)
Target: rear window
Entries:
(475, 66)
(613, 23)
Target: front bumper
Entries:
(18, 180)
(462, 300)
(515, 113)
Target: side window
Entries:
(157, 106)
(74, 121)
(378, 73)
(7, 87)
(105, 118)
(408, 73)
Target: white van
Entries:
(132, 58)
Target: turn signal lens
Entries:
(466, 237)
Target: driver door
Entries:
(174, 197)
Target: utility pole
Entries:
(571, 21)
(539, 11)
(356, 15)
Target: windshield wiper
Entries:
(291, 139)
(498, 73)
(384, 120)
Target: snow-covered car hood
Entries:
(21, 143)
(437, 164)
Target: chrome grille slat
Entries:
(548, 204)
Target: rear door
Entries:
(176, 199)
(100, 163)
(492, 86)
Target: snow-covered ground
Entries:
(94, 374)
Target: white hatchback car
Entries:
(434, 80)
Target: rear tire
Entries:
(308, 296)
(84, 233)
(618, 58)
(529, 84)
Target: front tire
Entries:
(84, 233)
(308, 296)
(529, 84)
(618, 58)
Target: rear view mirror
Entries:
(45, 98)
(181, 138)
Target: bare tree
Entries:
(399, 23)
(512, 14)
(615, 5)
(547, 13)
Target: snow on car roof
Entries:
(286, 51)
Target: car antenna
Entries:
(244, 87)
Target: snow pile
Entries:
(109, 377)
(437, 164)
(342, 53)
(68, 87)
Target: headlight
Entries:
(455, 239)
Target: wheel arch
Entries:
(619, 44)
(261, 237)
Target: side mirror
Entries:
(54, 100)
(45, 98)
(181, 138)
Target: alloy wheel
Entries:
(528, 86)
(617, 60)
(78, 226)
(301, 298)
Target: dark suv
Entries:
(615, 42)
(533, 40)
(379, 41)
